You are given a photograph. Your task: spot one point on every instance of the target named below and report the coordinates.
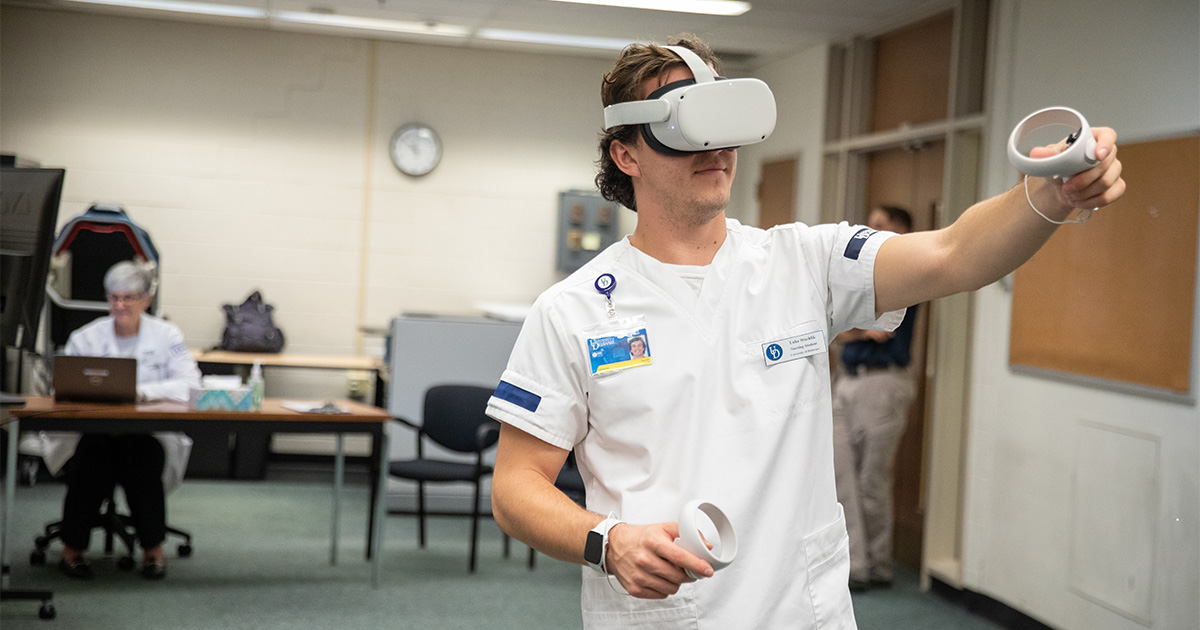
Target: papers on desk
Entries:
(313, 406)
(220, 381)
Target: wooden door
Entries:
(911, 178)
(777, 193)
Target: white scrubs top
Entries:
(717, 415)
(166, 370)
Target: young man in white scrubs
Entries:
(732, 405)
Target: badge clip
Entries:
(605, 285)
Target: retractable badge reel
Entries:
(1078, 156)
(605, 285)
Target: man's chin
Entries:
(702, 213)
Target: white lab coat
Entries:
(711, 417)
(166, 370)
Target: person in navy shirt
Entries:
(870, 410)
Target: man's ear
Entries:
(625, 158)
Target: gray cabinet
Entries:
(587, 223)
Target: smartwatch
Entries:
(596, 549)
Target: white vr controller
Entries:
(690, 540)
(1079, 155)
(705, 113)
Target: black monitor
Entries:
(29, 199)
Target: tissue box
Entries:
(221, 399)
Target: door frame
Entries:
(948, 375)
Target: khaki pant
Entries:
(870, 411)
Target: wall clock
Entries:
(415, 149)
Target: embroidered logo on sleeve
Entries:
(854, 247)
(178, 350)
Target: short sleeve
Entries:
(180, 371)
(541, 390)
(851, 278)
(182, 366)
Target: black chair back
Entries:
(455, 417)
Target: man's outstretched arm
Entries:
(993, 237)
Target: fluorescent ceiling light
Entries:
(184, 6)
(379, 24)
(371, 24)
(528, 37)
(709, 7)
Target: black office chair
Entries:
(454, 418)
(116, 526)
(570, 482)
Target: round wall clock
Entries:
(415, 149)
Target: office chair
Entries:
(454, 417)
(115, 525)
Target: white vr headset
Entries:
(705, 113)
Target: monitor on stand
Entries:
(29, 199)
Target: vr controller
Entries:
(1079, 155)
(704, 113)
(689, 535)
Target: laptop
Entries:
(95, 379)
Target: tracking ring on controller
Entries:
(690, 540)
(1079, 156)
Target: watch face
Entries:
(593, 550)
(415, 149)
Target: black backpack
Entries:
(249, 327)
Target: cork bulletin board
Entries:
(1114, 298)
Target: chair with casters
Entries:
(454, 418)
(115, 526)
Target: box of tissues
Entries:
(221, 393)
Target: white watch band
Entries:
(602, 529)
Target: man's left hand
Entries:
(1096, 187)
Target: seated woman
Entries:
(146, 466)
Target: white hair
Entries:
(130, 276)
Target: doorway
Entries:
(909, 177)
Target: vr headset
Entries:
(705, 113)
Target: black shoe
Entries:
(154, 570)
(858, 586)
(79, 569)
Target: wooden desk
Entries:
(251, 453)
(43, 413)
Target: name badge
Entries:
(792, 348)
(618, 345)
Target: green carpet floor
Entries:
(261, 562)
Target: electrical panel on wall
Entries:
(587, 223)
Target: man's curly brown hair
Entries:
(637, 64)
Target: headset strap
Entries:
(655, 110)
(636, 113)
(700, 70)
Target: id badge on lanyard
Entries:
(619, 343)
